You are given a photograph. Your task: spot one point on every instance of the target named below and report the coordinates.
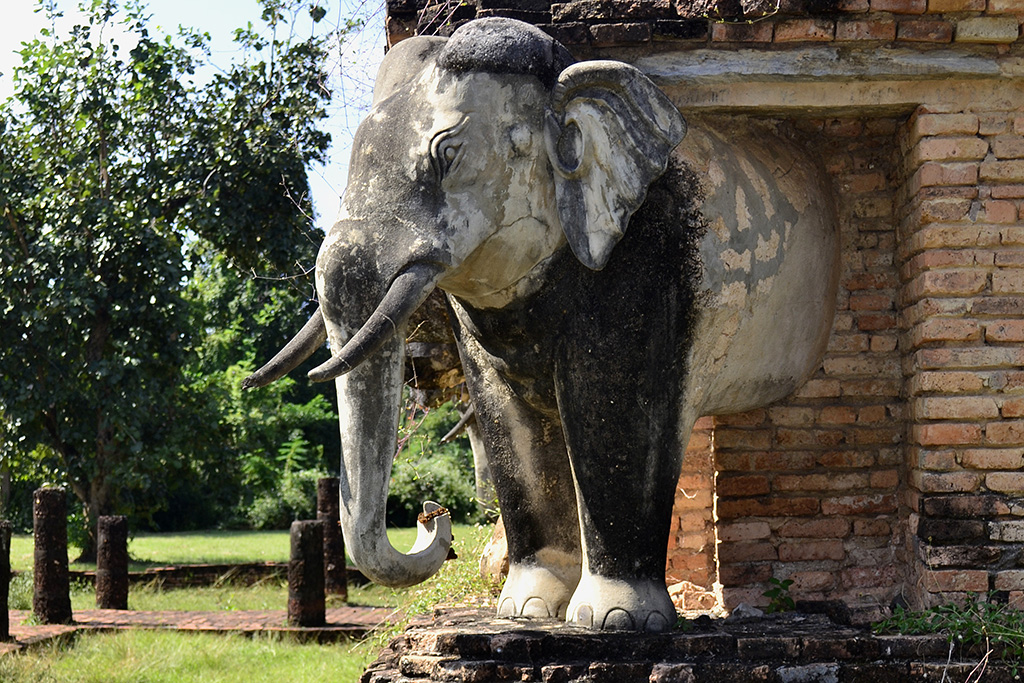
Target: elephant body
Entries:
(609, 281)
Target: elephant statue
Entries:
(611, 274)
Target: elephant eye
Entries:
(446, 158)
(445, 152)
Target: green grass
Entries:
(175, 657)
(158, 656)
(203, 547)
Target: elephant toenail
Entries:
(619, 620)
(535, 607)
(507, 608)
(584, 616)
(656, 623)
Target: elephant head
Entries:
(482, 156)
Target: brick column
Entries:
(962, 297)
(692, 570)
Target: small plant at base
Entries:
(974, 623)
(779, 599)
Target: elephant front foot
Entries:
(534, 591)
(619, 605)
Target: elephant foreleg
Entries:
(626, 450)
(527, 457)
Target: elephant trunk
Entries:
(368, 405)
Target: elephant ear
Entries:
(609, 132)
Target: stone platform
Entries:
(473, 645)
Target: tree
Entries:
(120, 175)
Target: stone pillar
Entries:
(112, 562)
(328, 511)
(306, 574)
(5, 578)
(51, 597)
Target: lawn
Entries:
(203, 547)
(158, 656)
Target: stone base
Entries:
(473, 645)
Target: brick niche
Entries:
(895, 473)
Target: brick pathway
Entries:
(342, 623)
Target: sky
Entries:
(352, 67)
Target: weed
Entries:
(779, 599)
(19, 595)
(978, 622)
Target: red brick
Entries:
(924, 31)
(743, 574)
(1005, 482)
(1002, 331)
(883, 343)
(744, 531)
(866, 29)
(808, 438)
(957, 408)
(757, 32)
(968, 357)
(746, 552)
(944, 174)
(886, 479)
(1011, 579)
(835, 415)
(1008, 281)
(816, 528)
(871, 527)
(871, 387)
(838, 459)
(900, 6)
(993, 458)
(750, 418)
(792, 416)
(810, 551)
(945, 124)
(1006, 432)
(1013, 407)
(1018, 125)
(745, 439)
(865, 301)
(795, 30)
(1002, 171)
(950, 149)
(940, 6)
(946, 482)
(998, 211)
(1008, 147)
(864, 364)
(868, 577)
(852, 5)
(848, 343)
(1007, 191)
(833, 481)
(945, 329)
(819, 388)
(878, 322)
(767, 507)
(946, 434)
(880, 503)
(942, 461)
(605, 35)
(861, 281)
(812, 581)
(950, 282)
(949, 580)
(750, 485)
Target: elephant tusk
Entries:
(410, 289)
(311, 337)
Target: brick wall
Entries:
(808, 488)
(961, 255)
(611, 23)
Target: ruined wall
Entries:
(895, 472)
